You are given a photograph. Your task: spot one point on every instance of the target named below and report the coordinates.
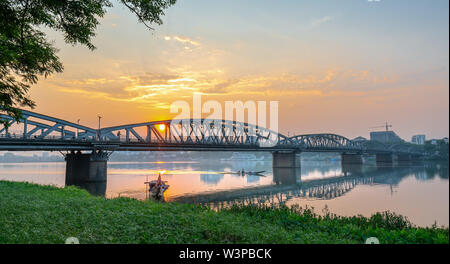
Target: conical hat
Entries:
(159, 179)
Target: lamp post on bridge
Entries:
(98, 131)
(78, 122)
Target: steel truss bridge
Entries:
(41, 132)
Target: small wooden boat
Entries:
(254, 172)
(242, 172)
(156, 188)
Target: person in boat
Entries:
(159, 181)
(157, 188)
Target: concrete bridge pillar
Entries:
(286, 159)
(287, 176)
(385, 158)
(355, 159)
(407, 159)
(286, 167)
(404, 158)
(84, 168)
(416, 158)
(94, 188)
(352, 169)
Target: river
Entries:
(418, 191)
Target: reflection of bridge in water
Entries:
(288, 186)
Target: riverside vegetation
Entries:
(31, 213)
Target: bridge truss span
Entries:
(325, 142)
(35, 131)
(194, 131)
(37, 126)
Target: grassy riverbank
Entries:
(42, 214)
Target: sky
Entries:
(334, 66)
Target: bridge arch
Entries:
(39, 126)
(194, 131)
(325, 142)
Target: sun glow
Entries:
(161, 127)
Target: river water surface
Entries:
(419, 192)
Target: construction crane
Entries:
(387, 126)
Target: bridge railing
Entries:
(16, 136)
(34, 126)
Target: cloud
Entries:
(207, 70)
(149, 78)
(220, 87)
(140, 88)
(320, 21)
(182, 80)
(184, 40)
(151, 88)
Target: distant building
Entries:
(437, 141)
(385, 136)
(418, 139)
(359, 139)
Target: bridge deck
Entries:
(68, 145)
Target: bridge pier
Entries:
(385, 159)
(352, 169)
(354, 159)
(286, 176)
(404, 157)
(94, 188)
(408, 159)
(416, 158)
(86, 169)
(286, 159)
(286, 167)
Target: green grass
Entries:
(32, 213)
